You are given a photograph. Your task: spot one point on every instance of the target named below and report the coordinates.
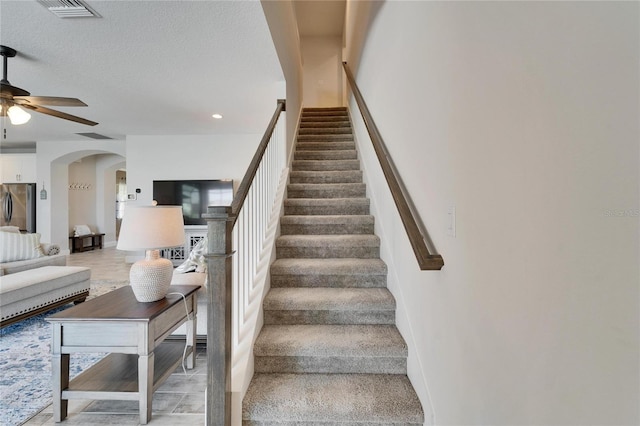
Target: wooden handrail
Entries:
(243, 189)
(427, 260)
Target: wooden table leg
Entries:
(60, 377)
(145, 386)
(59, 374)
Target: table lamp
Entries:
(151, 228)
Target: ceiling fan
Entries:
(12, 98)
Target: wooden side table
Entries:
(77, 243)
(132, 333)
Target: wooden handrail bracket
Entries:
(418, 236)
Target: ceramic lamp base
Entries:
(150, 278)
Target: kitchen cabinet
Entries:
(18, 168)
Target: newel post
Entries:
(219, 264)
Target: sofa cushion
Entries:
(19, 246)
(27, 284)
(25, 265)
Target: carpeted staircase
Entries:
(329, 352)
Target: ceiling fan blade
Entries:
(48, 100)
(59, 114)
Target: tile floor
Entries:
(179, 401)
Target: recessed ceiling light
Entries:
(217, 116)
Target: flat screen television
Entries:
(194, 196)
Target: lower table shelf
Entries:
(116, 375)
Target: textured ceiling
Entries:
(160, 67)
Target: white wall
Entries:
(322, 70)
(524, 116)
(82, 193)
(53, 159)
(152, 158)
(283, 26)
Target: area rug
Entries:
(25, 362)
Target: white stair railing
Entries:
(239, 239)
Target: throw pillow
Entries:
(79, 230)
(14, 247)
(53, 250)
(196, 261)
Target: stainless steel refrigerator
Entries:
(19, 206)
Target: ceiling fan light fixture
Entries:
(217, 116)
(17, 115)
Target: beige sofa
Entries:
(21, 252)
(32, 281)
(28, 293)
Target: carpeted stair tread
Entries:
(326, 398)
(325, 146)
(327, 176)
(326, 206)
(309, 123)
(324, 130)
(323, 118)
(363, 273)
(325, 165)
(332, 108)
(328, 246)
(371, 349)
(329, 224)
(329, 299)
(341, 154)
(330, 341)
(343, 115)
(326, 190)
(325, 138)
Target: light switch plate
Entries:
(451, 214)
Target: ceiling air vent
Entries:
(93, 135)
(69, 8)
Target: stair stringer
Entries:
(248, 324)
(376, 186)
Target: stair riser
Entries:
(326, 177)
(327, 113)
(332, 281)
(327, 165)
(327, 252)
(321, 210)
(325, 131)
(325, 146)
(334, 365)
(383, 317)
(324, 119)
(305, 124)
(326, 155)
(325, 138)
(329, 229)
(354, 190)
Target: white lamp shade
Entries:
(151, 227)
